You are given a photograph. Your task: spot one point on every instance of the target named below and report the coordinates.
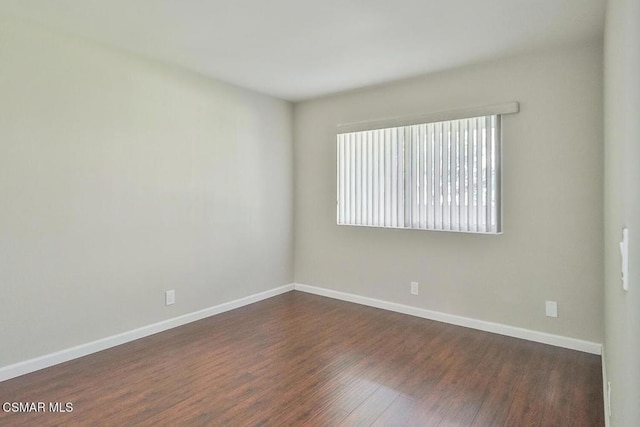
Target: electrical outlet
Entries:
(414, 288)
(170, 297)
(552, 309)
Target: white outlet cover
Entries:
(415, 289)
(624, 252)
(551, 308)
(170, 297)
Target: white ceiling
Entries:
(299, 49)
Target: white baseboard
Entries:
(35, 364)
(497, 328)
(32, 365)
(605, 390)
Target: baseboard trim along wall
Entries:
(35, 364)
(605, 390)
(32, 365)
(497, 328)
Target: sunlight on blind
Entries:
(434, 176)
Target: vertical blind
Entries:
(431, 176)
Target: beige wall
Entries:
(622, 208)
(551, 248)
(121, 178)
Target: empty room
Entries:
(306, 213)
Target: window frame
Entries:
(398, 203)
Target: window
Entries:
(428, 175)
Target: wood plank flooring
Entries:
(303, 360)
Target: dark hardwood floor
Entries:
(303, 360)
